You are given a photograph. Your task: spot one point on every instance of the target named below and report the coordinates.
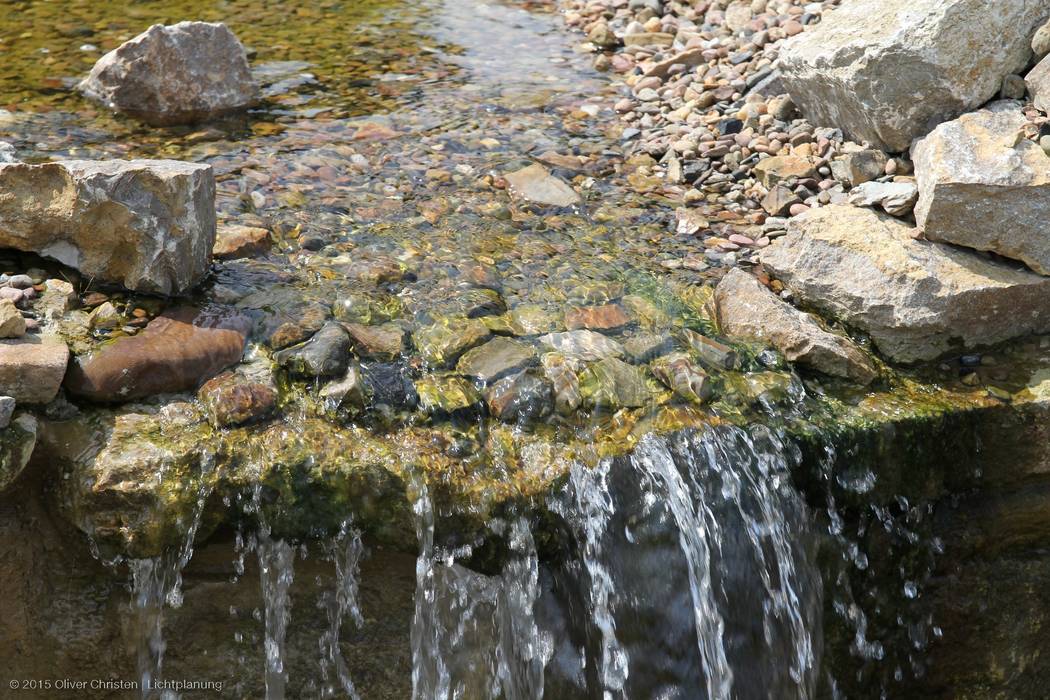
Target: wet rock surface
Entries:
(175, 352)
(148, 225)
(32, 368)
(175, 74)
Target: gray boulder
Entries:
(887, 71)
(1038, 83)
(984, 186)
(749, 311)
(176, 74)
(916, 299)
(146, 224)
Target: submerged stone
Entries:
(384, 342)
(521, 398)
(682, 376)
(443, 342)
(326, 354)
(240, 242)
(496, 359)
(440, 394)
(387, 385)
(583, 345)
(536, 184)
(348, 392)
(608, 317)
(175, 352)
(148, 225)
(562, 370)
(612, 384)
(175, 74)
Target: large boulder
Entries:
(175, 74)
(749, 311)
(916, 299)
(146, 224)
(887, 71)
(177, 351)
(983, 185)
(1038, 83)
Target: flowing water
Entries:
(687, 565)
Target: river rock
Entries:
(612, 384)
(326, 354)
(583, 345)
(146, 224)
(562, 370)
(773, 171)
(858, 166)
(496, 359)
(12, 323)
(32, 368)
(982, 185)
(682, 376)
(231, 400)
(347, 392)
(443, 394)
(607, 317)
(520, 398)
(443, 342)
(175, 352)
(747, 310)
(175, 74)
(916, 299)
(233, 242)
(896, 198)
(536, 184)
(382, 342)
(887, 71)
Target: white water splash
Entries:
(344, 551)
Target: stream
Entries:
(642, 552)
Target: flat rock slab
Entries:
(177, 351)
(747, 310)
(536, 184)
(916, 299)
(887, 71)
(984, 186)
(32, 368)
(175, 74)
(148, 225)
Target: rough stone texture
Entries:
(17, 441)
(7, 409)
(12, 324)
(176, 352)
(749, 311)
(326, 354)
(773, 171)
(887, 71)
(174, 74)
(233, 242)
(859, 166)
(32, 368)
(916, 299)
(983, 186)
(231, 400)
(896, 198)
(496, 359)
(146, 224)
(1038, 83)
(1041, 42)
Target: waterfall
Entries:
(590, 507)
(475, 635)
(344, 551)
(155, 583)
(276, 572)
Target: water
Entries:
(344, 551)
(156, 582)
(475, 635)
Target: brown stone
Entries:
(231, 400)
(383, 342)
(32, 368)
(607, 317)
(176, 352)
(240, 242)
